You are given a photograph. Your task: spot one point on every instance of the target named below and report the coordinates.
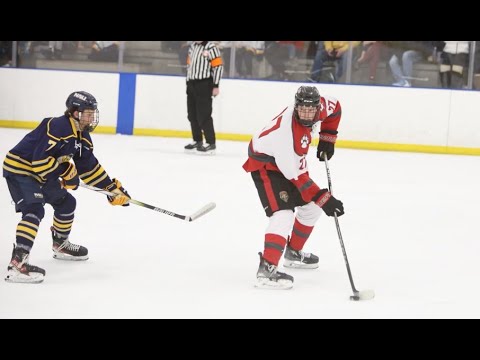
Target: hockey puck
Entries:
(355, 298)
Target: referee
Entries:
(204, 71)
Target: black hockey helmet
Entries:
(81, 101)
(307, 96)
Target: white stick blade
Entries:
(363, 295)
(206, 209)
(366, 294)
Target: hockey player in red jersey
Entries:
(291, 199)
(40, 168)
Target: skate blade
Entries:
(298, 265)
(192, 151)
(60, 256)
(263, 283)
(209, 152)
(13, 277)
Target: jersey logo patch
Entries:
(304, 141)
(283, 196)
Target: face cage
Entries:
(307, 123)
(92, 125)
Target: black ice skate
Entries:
(207, 150)
(65, 250)
(192, 147)
(269, 278)
(20, 271)
(299, 259)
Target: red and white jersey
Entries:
(330, 113)
(282, 145)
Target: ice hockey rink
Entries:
(410, 230)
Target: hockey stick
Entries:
(357, 295)
(207, 208)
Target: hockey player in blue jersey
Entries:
(47, 162)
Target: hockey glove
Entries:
(117, 188)
(70, 180)
(326, 144)
(329, 204)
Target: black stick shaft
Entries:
(154, 208)
(139, 203)
(338, 229)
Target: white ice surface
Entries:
(410, 231)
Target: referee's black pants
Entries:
(199, 108)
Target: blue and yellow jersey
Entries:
(44, 153)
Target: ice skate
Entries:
(299, 259)
(65, 250)
(20, 271)
(269, 278)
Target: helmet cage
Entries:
(310, 97)
(85, 121)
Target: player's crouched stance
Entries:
(40, 169)
(291, 199)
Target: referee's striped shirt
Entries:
(204, 61)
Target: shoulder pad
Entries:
(60, 128)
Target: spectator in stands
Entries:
(331, 51)
(476, 66)
(104, 51)
(226, 51)
(25, 49)
(278, 53)
(54, 50)
(182, 55)
(370, 54)
(5, 53)
(246, 51)
(453, 61)
(80, 45)
(411, 52)
(24, 52)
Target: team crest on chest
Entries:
(283, 196)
